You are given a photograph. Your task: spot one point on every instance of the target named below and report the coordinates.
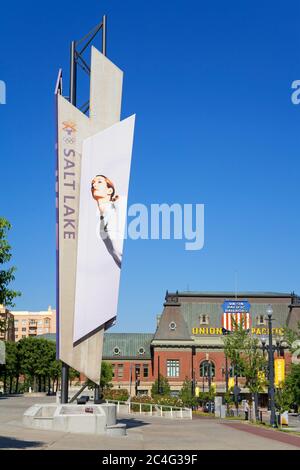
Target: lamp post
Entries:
(158, 375)
(209, 375)
(130, 383)
(271, 369)
(226, 373)
(137, 382)
(193, 383)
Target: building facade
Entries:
(188, 341)
(7, 332)
(30, 324)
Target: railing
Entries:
(152, 409)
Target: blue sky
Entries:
(210, 83)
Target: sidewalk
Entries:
(144, 433)
(273, 434)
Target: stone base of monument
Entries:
(90, 419)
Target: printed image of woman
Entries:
(103, 192)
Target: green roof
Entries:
(48, 336)
(128, 344)
(229, 294)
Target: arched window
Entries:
(207, 369)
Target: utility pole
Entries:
(271, 369)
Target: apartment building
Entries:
(27, 323)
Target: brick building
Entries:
(131, 357)
(188, 341)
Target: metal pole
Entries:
(130, 383)
(97, 393)
(73, 73)
(271, 375)
(158, 378)
(226, 374)
(64, 383)
(104, 32)
(137, 378)
(79, 392)
(193, 371)
(226, 382)
(193, 384)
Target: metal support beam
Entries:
(73, 73)
(97, 394)
(79, 392)
(64, 383)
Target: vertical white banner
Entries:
(105, 170)
(73, 127)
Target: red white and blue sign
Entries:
(236, 312)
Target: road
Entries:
(143, 433)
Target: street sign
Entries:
(236, 390)
(230, 383)
(279, 367)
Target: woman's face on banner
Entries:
(99, 188)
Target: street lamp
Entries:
(193, 383)
(137, 381)
(270, 348)
(203, 375)
(209, 375)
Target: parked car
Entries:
(209, 407)
(83, 400)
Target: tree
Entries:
(38, 361)
(11, 367)
(73, 374)
(291, 336)
(292, 384)
(284, 398)
(6, 275)
(234, 343)
(186, 393)
(33, 359)
(54, 374)
(160, 387)
(106, 375)
(246, 356)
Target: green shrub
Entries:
(120, 394)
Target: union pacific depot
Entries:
(188, 341)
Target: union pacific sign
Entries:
(219, 331)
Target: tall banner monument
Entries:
(93, 168)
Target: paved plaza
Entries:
(143, 433)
